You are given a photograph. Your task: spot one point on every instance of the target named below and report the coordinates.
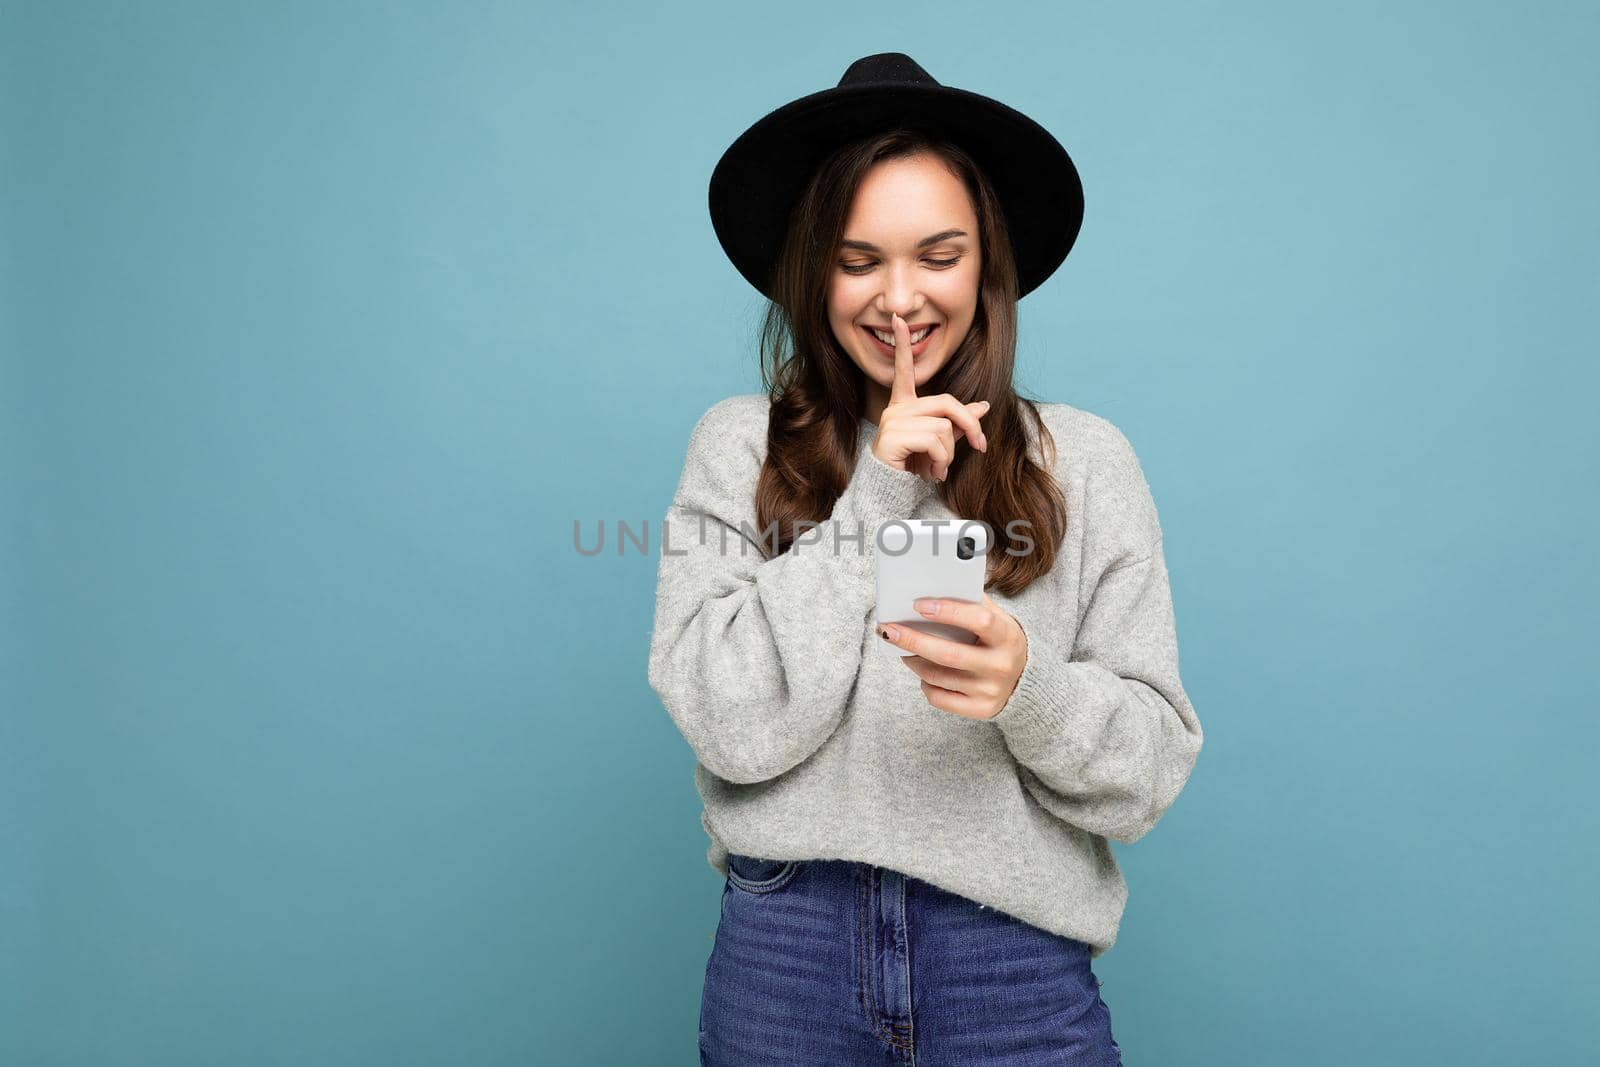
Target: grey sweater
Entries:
(814, 741)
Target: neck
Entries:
(875, 398)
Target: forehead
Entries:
(903, 200)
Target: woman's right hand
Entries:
(918, 433)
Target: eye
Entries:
(862, 268)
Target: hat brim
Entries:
(760, 177)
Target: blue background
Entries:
(323, 323)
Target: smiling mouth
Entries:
(888, 350)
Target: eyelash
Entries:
(861, 268)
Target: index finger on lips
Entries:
(905, 377)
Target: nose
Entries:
(899, 294)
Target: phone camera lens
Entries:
(965, 547)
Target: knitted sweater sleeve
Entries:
(755, 659)
(1104, 735)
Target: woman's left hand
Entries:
(971, 680)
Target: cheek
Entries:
(844, 298)
(960, 295)
(839, 309)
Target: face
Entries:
(887, 264)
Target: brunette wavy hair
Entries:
(818, 392)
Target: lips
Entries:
(916, 349)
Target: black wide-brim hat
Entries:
(761, 176)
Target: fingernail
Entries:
(985, 404)
(928, 607)
(889, 633)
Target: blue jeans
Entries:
(832, 962)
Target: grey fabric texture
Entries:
(813, 740)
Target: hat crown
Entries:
(885, 68)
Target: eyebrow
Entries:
(942, 235)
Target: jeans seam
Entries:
(867, 923)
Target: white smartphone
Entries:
(945, 558)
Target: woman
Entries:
(914, 848)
